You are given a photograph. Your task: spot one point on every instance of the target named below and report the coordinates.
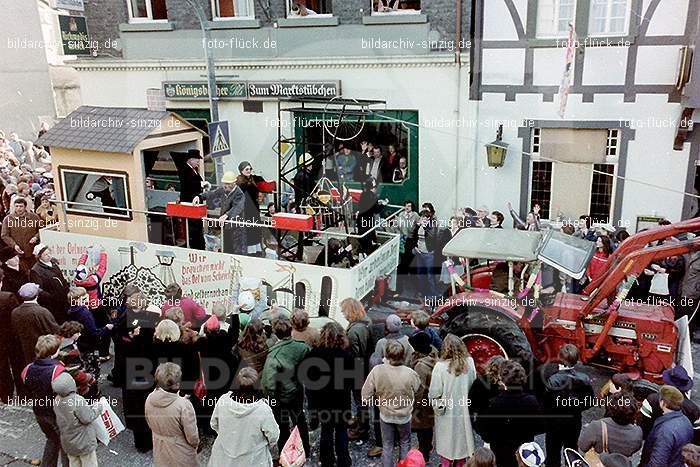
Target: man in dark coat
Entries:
(20, 231)
(31, 320)
(670, 433)
(232, 205)
(187, 164)
(369, 206)
(568, 393)
(54, 287)
(513, 416)
(651, 409)
(10, 354)
(14, 275)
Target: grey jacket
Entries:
(358, 338)
(690, 287)
(74, 417)
(622, 439)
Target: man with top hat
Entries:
(651, 410)
(232, 206)
(54, 287)
(15, 275)
(20, 231)
(187, 164)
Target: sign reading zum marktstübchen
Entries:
(243, 90)
(74, 35)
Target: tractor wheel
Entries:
(641, 389)
(487, 333)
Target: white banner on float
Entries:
(208, 277)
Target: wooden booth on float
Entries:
(101, 158)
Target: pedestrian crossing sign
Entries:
(219, 138)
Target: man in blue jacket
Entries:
(670, 432)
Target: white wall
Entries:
(430, 89)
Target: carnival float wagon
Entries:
(103, 164)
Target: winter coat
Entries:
(669, 434)
(623, 439)
(327, 388)
(358, 333)
(91, 335)
(37, 378)
(650, 411)
(190, 179)
(184, 355)
(454, 438)
(690, 287)
(568, 384)
(54, 288)
(380, 349)
(10, 350)
(393, 389)
(14, 279)
(251, 209)
(92, 282)
(173, 423)
(232, 205)
(193, 312)
(423, 412)
(29, 321)
(19, 230)
(71, 358)
(74, 417)
(215, 351)
(252, 360)
(138, 384)
(279, 377)
(246, 432)
(514, 418)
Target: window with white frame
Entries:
(395, 6)
(554, 17)
(305, 8)
(227, 9)
(147, 10)
(609, 17)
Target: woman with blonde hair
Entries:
(451, 380)
(359, 345)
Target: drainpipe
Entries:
(458, 62)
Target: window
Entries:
(541, 192)
(147, 10)
(554, 17)
(326, 295)
(300, 295)
(609, 17)
(396, 6)
(612, 143)
(535, 149)
(601, 192)
(304, 8)
(101, 194)
(227, 9)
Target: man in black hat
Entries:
(651, 410)
(187, 164)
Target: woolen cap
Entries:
(213, 323)
(39, 249)
(29, 291)
(393, 323)
(421, 342)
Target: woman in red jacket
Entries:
(599, 262)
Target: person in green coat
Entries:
(280, 382)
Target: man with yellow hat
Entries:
(232, 204)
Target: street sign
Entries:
(74, 35)
(74, 5)
(219, 137)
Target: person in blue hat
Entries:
(651, 410)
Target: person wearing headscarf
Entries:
(246, 181)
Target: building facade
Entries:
(451, 73)
(622, 151)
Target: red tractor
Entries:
(612, 332)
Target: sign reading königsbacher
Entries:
(74, 35)
(244, 90)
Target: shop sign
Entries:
(74, 5)
(74, 35)
(277, 89)
(243, 90)
(196, 90)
